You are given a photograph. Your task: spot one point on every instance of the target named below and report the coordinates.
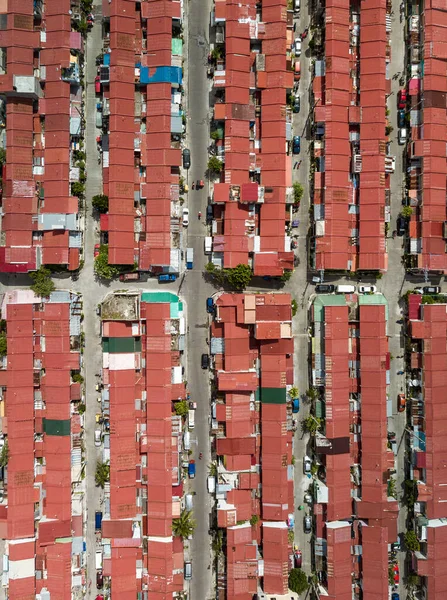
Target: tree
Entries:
(312, 393)
(286, 275)
(410, 492)
(214, 165)
(181, 408)
(298, 581)
(102, 267)
(406, 212)
(3, 344)
(412, 582)
(294, 307)
(298, 192)
(101, 203)
(294, 392)
(238, 277)
(77, 189)
(212, 469)
(215, 135)
(311, 424)
(77, 378)
(392, 488)
(254, 519)
(411, 541)
(183, 526)
(43, 284)
(4, 454)
(2, 156)
(102, 473)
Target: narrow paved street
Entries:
(195, 290)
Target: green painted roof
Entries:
(327, 300)
(273, 395)
(177, 46)
(121, 345)
(56, 427)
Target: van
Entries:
(98, 559)
(297, 5)
(191, 419)
(188, 502)
(186, 441)
(345, 289)
(208, 245)
(188, 569)
(211, 483)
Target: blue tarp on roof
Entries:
(106, 59)
(172, 75)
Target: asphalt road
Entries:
(195, 290)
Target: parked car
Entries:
(401, 402)
(167, 277)
(188, 570)
(297, 71)
(297, 46)
(185, 217)
(99, 579)
(394, 596)
(186, 158)
(96, 250)
(296, 144)
(209, 212)
(401, 118)
(401, 225)
(396, 573)
(324, 288)
(209, 305)
(205, 361)
(402, 99)
(431, 289)
(307, 524)
(97, 437)
(298, 558)
(402, 136)
(296, 105)
(307, 465)
(97, 85)
(191, 469)
(367, 289)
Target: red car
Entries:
(402, 99)
(97, 85)
(396, 573)
(401, 402)
(96, 251)
(298, 556)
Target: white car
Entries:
(307, 465)
(185, 217)
(367, 289)
(297, 47)
(402, 136)
(97, 437)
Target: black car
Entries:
(324, 288)
(401, 118)
(296, 105)
(401, 225)
(205, 361)
(186, 158)
(209, 212)
(432, 289)
(99, 579)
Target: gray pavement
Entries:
(195, 289)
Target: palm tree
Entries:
(102, 473)
(184, 526)
(212, 470)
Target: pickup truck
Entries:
(130, 276)
(167, 277)
(192, 469)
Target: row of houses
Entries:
(426, 27)
(252, 350)
(143, 124)
(42, 501)
(253, 198)
(142, 341)
(354, 489)
(351, 184)
(41, 128)
(427, 361)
